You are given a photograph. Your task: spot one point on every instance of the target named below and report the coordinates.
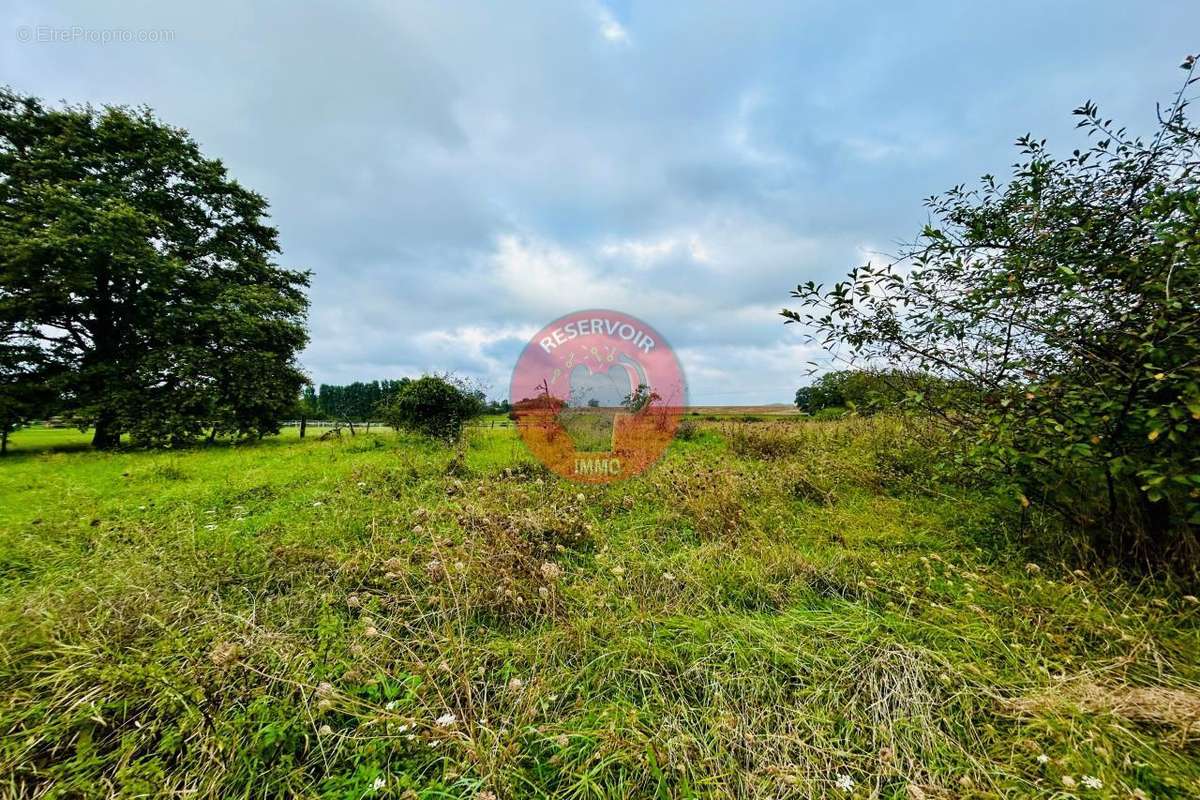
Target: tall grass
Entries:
(775, 610)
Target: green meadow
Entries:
(776, 609)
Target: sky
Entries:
(456, 175)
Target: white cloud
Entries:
(647, 253)
(610, 29)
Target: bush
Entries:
(436, 406)
(1059, 309)
(687, 430)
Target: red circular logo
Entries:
(597, 395)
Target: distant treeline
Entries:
(366, 400)
(866, 390)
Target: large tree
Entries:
(1064, 307)
(144, 276)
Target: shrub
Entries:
(436, 406)
(1060, 310)
(687, 430)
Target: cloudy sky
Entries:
(458, 174)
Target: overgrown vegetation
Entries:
(777, 609)
(1060, 309)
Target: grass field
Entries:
(783, 609)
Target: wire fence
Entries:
(328, 424)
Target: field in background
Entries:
(777, 609)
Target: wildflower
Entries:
(459, 566)
(580, 497)
(362, 483)
(543, 592)
(324, 689)
(378, 784)
(845, 783)
(371, 630)
(485, 795)
(561, 740)
(1068, 781)
(391, 705)
(417, 529)
(210, 527)
(516, 684)
(1092, 782)
(353, 601)
(551, 571)
(618, 571)
(446, 720)
(1043, 758)
(325, 730)
(1032, 569)
(317, 504)
(668, 576)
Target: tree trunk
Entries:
(303, 426)
(4, 440)
(106, 436)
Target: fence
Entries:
(325, 423)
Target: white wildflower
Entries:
(378, 784)
(845, 783)
(1092, 782)
(325, 730)
(516, 684)
(371, 630)
(1068, 781)
(551, 571)
(317, 504)
(210, 527)
(1043, 758)
(446, 721)
(543, 592)
(581, 497)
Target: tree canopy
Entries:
(137, 279)
(1063, 306)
